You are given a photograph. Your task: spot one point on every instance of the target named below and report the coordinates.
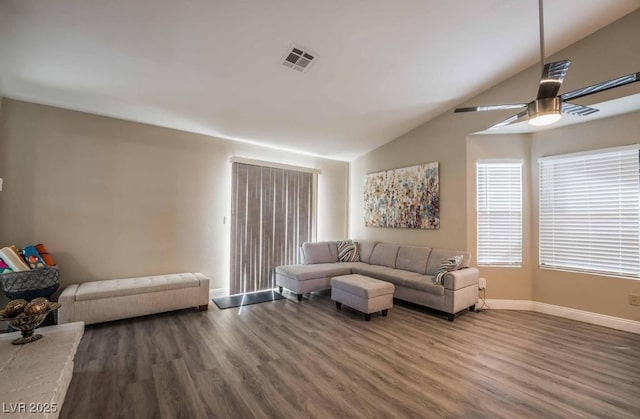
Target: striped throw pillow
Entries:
(348, 251)
(451, 264)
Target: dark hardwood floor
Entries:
(284, 359)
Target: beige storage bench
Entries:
(115, 299)
(367, 295)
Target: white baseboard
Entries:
(218, 292)
(528, 305)
(509, 304)
(568, 313)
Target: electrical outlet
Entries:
(634, 299)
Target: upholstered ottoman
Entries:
(365, 294)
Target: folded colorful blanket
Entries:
(13, 259)
(451, 264)
(44, 254)
(33, 258)
(4, 268)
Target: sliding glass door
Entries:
(272, 214)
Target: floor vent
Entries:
(298, 58)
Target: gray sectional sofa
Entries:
(409, 268)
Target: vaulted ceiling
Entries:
(214, 67)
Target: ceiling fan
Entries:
(548, 106)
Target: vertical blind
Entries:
(590, 211)
(272, 214)
(499, 212)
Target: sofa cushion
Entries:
(348, 251)
(413, 258)
(130, 286)
(440, 256)
(385, 254)
(333, 250)
(318, 270)
(366, 248)
(352, 265)
(416, 281)
(374, 271)
(320, 252)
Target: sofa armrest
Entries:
(461, 278)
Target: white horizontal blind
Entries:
(499, 208)
(590, 212)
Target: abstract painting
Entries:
(403, 198)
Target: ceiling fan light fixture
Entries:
(543, 120)
(544, 111)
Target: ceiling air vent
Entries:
(298, 58)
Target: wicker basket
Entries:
(36, 279)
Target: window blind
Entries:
(590, 211)
(499, 212)
(272, 214)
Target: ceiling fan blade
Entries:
(552, 78)
(491, 108)
(601, 87)
(515, 118)
(573, 109)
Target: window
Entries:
(589, 211)
(499, 207)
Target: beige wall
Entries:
(611, 52)
(421, 146)
(514, 283)
(596, 293)
(442, 139)
(112, 198)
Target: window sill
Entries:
(498, 266)
(578, 271)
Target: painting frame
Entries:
(406, 197)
